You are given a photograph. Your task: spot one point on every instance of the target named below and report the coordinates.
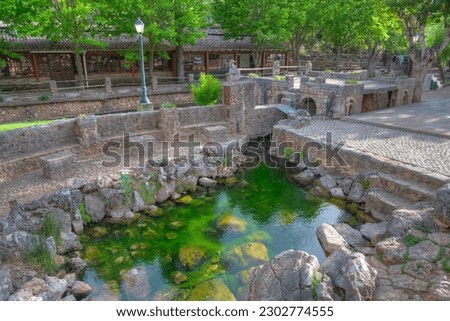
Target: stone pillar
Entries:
(169, 122)
(238, 98)
(86, 132)
(53, 88)
(190, 78)
(276, 68)
(308, 67)
(108, 85)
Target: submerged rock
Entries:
(212, 290)
(98, 231)
(231, 223)
(186, 199)
(248, 254)
(135, 284)
(179, 277)
(190, 256)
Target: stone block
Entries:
(53, 165)
(215, 133)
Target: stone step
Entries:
(380, 204)
(401, 187)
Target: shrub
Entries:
(43, 97)
(168, 105)
(85, 217)
(280, 77)
(253, 75)
(208, 91)
(351, 82)
(52, 226)
(40, 258)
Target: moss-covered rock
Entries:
(176, 225)
(171, 235)
(191, 256)
(229, 181)
(150, 234)
(260, 236)
(212, 290)
(155, 211)
(248, 254)
(179, 277)
(98, 231)
(231, 223)
(92, 254)
(186, 199)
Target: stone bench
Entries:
(54, 165)
(215, 133)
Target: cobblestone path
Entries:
(422, 150)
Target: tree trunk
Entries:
(441, 71)
(257, 56)
(338, 58)
(180, 63)
(151, 58)
(79, 67)
(372, 54)
(420, 68)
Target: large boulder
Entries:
(56, 287)
(165, 192)
(351, 274)
(439, 289)
(352, 236)
(291, 276)
(357, 193)
(69, 243)
(426, 250)
(135, 284)
(402, 220)
(95, 207)
(81, 290)
(329, 238)
(392, 250)
(441, 204)
(305, 178)
(374, 232)
(5, 283)
(212, 290)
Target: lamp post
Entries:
(139, 25)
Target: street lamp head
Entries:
(139, 25)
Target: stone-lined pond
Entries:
(211, 236)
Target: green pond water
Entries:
(217, 236)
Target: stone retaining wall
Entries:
(59, 107)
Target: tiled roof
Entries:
(214, 40)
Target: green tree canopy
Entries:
(416, 16)
(265, 22)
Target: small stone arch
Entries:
(279, 98)
(309, 105)
(405, 99)
(350, 106)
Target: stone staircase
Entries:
(389, 192)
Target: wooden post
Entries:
(133, 70)
(174, 64)
(286, 58)
(236, 57)
(36, 68)
(206, 62)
